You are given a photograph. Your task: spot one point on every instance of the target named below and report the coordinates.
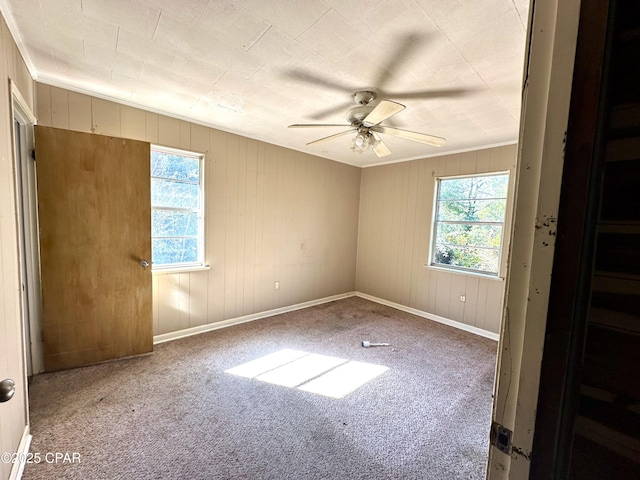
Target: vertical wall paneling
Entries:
(443, 293)
(468, 161)
(251, 199)
(471, 304)
(105, 117)
(413, 170)
(241, 238)
(451, 164)
(184, 297)
(259, 238)
(458, 287)
(396, 209)
(155, 305)
(270, 214)
(481, 304)
(267, 278)
(43, 104)
(198, 298)
(169, 303)
(169, 132)
(216, 200)
(386, 269)
(483, 161)
(80, 112)
(232, 223)
(59, 109)
(133, 123)
(185, 135)
(420, 275)
(151, 127)
(199, 140)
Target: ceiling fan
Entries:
(365, 121)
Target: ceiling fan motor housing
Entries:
(355, 115)
(364, 97)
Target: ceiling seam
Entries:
(259, 38)
(156, 27)
(314, 23)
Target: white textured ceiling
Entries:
(255, 66)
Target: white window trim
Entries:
(455, 271)
(432, 244)
(202, 263)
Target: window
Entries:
(177, 220)
(469, 222)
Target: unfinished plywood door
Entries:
(95, 230)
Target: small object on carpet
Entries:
(367, 344)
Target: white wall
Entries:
(13, 414)
(271, 214)
(396, 210)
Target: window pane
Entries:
(472, 210)
(167, 193)
(176, 214)
(468, 257)
(487, 236)
(489, 186)
(166, 251)
(165, 223)
(179, 167)
(468, 209)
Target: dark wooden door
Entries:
(95, 229)
(587, 423)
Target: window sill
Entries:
(462, 272)
(167, 271)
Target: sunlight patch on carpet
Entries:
(268, 362)
(311, 372)
(345, 379)
(301, 371)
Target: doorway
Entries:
(26, 202)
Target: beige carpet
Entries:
(176, 414)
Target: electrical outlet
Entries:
(276, 285)
(463, 298)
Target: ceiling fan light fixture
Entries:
(363, 141)
(360, 141)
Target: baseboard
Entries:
(431, 316)
(166, 337)
(23, 450)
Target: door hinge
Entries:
(501, 438)
(33, 154)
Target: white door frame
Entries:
(28, 241)
(548, 76)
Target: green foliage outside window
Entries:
(469, 222)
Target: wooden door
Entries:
(95, 229)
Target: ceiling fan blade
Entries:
(408, 135)
(404, 48)
(380, 148)
(310, 125)
(331, 137)
(330, 111)
(384, 110)
(313, 78)
(431, 93)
